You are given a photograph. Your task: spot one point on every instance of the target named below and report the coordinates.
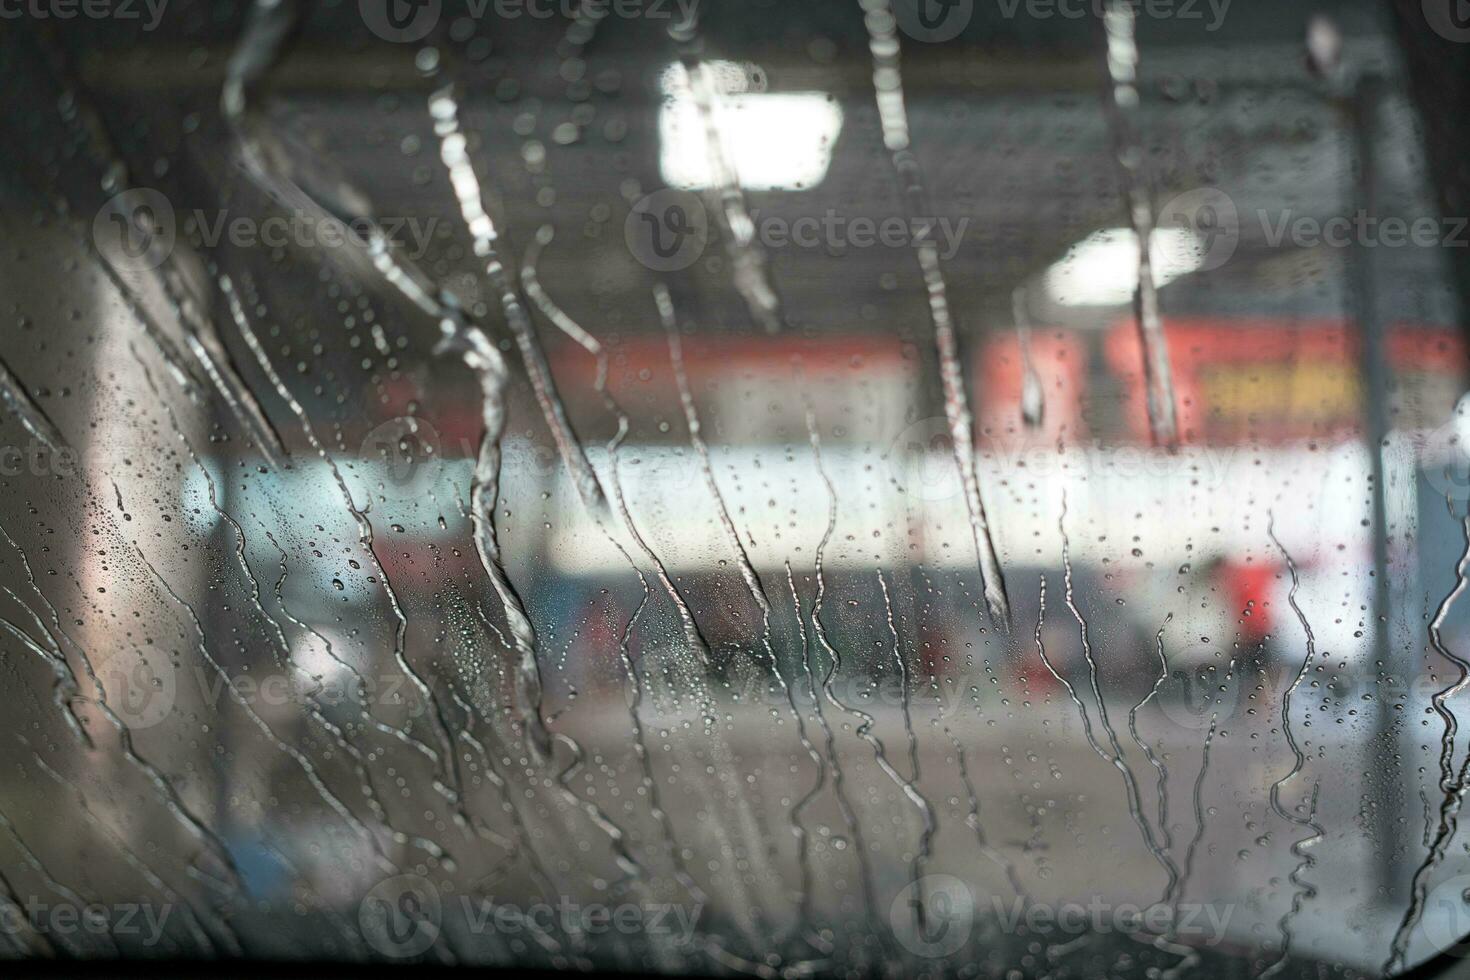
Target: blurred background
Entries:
(698, 460)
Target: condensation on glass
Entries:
(793, 490)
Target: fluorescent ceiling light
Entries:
(774, 141)
(1102, 269)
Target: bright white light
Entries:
(775, 141)
(1102, 269)
(728, 77)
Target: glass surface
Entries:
(721, 489)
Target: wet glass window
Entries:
(874, 488)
